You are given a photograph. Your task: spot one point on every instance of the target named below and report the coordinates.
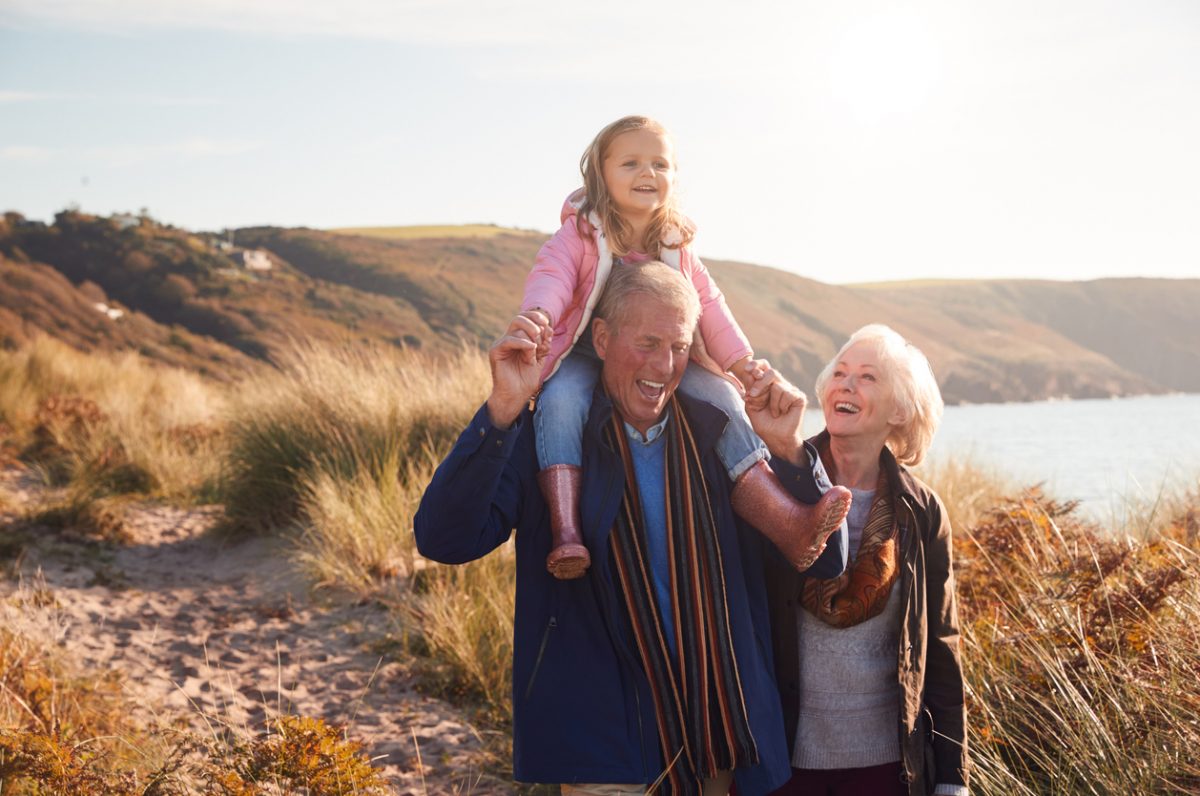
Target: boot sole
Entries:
(568, 562)
(833, 512)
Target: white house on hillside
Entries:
(252, 259)
(112, 312)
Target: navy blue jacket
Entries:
(582, 707)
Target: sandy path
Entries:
(210, 632)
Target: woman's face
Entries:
(858, 400)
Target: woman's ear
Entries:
(600, 336)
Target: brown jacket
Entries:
(932, 711)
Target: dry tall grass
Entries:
(464, 617)
(1082, 652)
(111, 423)
(340, 444)
(968, 490)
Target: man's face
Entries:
(644, 358)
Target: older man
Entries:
(656, 663)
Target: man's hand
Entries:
(776, 410)
(516, 362)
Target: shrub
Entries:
(1081, 653)
(297, 754)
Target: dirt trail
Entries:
(209, 632)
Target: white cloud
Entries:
(585, 31)
(134, 154)
(117, 99)
(27, 154)
(200, 147)
(24, 96)
(166, 102)
(445, 21)
(189, 149)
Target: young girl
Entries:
(627, 213)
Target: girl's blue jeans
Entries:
(566, 398)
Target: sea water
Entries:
(1109, 454)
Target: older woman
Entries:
(868, 663)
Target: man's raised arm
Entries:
(516, 362)
(474, 499)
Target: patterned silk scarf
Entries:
(703, 726)
(861, 591)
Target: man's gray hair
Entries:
(652, 278)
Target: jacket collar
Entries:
(904, 486)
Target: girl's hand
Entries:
(545, 331)
(750, 371)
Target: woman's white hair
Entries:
(914, 388)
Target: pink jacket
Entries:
(570, 273)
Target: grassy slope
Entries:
(456, 289)
(435, 288)
(175, 279)
(1148, 327)
(38, 300)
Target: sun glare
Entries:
(884, 65)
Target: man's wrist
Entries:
(503, 412)
(797, 455)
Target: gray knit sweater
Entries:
(849, 690)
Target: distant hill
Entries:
(988, 340)
(220, 304)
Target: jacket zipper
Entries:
(537, 663)
(614, 621)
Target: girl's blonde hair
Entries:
(667, 219)
(913, 386)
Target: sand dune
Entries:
(211, 634)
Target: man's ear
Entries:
(600, 336)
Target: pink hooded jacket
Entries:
(572, 269)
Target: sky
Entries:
(845, 141)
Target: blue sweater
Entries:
(582, 708)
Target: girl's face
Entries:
(639, 173)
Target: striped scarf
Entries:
(702, 722)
